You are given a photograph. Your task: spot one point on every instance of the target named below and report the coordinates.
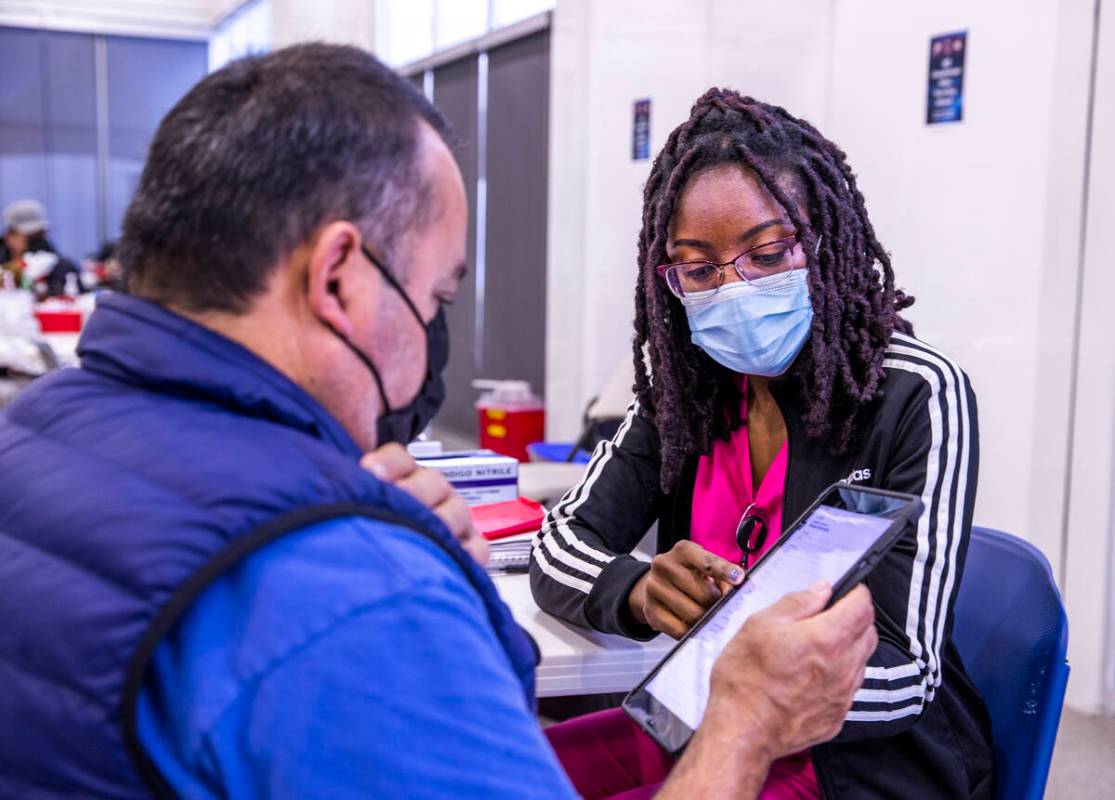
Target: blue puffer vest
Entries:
(125, 486)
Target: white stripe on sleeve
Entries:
(945, 539)
(558, 521)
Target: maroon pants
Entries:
(606, 755)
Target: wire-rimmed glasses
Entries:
(706, 277)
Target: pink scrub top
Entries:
(723, 491)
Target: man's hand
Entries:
(681, 585)
(793, 669)
(784, 683)
(393, 464)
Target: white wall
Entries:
(983, 219)
(1089, 589)
(606, 55)
(246, 31)
(336, 21)
(412, 30)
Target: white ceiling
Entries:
(187, 19)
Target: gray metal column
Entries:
(455, 95)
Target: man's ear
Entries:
(335, 268)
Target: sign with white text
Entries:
(945, 101)
(640, 131)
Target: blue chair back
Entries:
(1012, 633)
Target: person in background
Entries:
(14, 244)
(32, 259)
(104, 270)
(221, 575)
(771, 361)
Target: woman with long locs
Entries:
(772, 360)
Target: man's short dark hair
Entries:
(262, 153)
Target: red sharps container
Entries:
(511, 417)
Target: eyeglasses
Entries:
(692, 277)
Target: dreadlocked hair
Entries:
(691, 399)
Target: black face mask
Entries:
(402, 425)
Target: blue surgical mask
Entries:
(756, 327)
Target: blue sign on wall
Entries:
(945, 102)
(640, 131)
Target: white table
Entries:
(578, 660)
(65, 347)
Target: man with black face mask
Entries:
(220, 573)
(404, 424)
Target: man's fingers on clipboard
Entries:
(804, 604)
(852, 614)
(866, 644)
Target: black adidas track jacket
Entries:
(917, 728)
